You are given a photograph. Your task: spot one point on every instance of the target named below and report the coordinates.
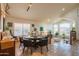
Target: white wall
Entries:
(77, 24)
(14, 20)
(1, 23)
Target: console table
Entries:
(7, 48)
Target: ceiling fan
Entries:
(29, 6)
(7, 8)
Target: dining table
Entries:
(35, 40)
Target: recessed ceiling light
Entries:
(48, 20)
(63, 9)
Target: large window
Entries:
(21, 29)
(61, 28)
(55, 28)
(64, 28)
(25, 29)
(47, 27)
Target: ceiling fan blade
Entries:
(7, 8)
(29, 7)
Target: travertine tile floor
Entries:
(55, 49)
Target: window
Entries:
(25, 29)
(64, 28)
(55, 28)
(17, 29)
(47, 27)
(21, 29)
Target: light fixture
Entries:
(29, 6)
(63, 9)
(48, 20)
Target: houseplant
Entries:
(57, 34)
(41, 28)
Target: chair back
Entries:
(27, 43)
(44, 42)
(21, 39)
(0, 35)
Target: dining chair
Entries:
(29, 44)
(43, 42)
(21, 41)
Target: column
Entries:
(77, 24)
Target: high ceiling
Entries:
(0, 10)
(39, 11)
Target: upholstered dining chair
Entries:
(21, 41)
(29, 44)
(43, 42)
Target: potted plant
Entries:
(41, 28)
(57, 34)
(7, 28)
(73, 29)
(63, 35)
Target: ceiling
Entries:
(0, 9)
(39, 11)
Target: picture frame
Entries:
(9, 24)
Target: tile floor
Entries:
(55, 49)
